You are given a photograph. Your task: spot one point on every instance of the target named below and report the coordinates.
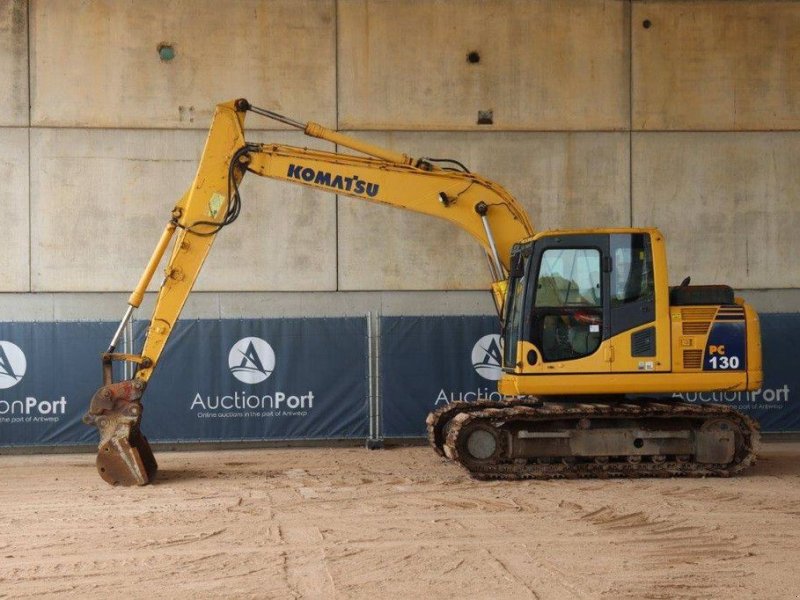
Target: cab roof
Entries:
(653, 231)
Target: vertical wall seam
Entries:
(30, 156)
(630, 112)
(336, 107)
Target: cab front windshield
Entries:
(569, 277)
(568, 305)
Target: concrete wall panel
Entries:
(716, 65)
(14, 216)
(280, 54)
(562, 179)
(544, 64)
(727, 203)
(101, 199)
(14, 62)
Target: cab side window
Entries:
(633, 270)
(632, 289)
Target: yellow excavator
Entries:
(592, 334)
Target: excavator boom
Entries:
(480, 207)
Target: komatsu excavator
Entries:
(592, 333)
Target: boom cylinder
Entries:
(481, 208)
(137, 295)
(318, 131)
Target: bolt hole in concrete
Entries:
(473, 57)
(646, 23)
(166, 52)
(485, 117)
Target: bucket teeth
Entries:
(124, 456)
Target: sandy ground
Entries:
(398, 523)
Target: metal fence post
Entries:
(375, 439)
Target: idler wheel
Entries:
(482, 443)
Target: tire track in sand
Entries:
(305, 563)
(675, 558)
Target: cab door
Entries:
(569, 304)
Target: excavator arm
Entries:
(479, 206)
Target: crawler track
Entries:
(525, 438)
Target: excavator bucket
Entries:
(124, 456)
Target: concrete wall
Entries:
(544, 64)
(95, 63)
(14, 63)
(716, 65)
(682, 115)
(728, 204)
(101, 197)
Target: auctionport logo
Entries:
(486, 357)
(251, 360)
(12, 364)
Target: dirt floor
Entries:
(397, 523)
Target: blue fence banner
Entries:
(427, 362)
(285, 379)
(218, 380)
(48, 373)
(260, 379)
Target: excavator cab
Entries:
(585, 307)
(570, 292)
